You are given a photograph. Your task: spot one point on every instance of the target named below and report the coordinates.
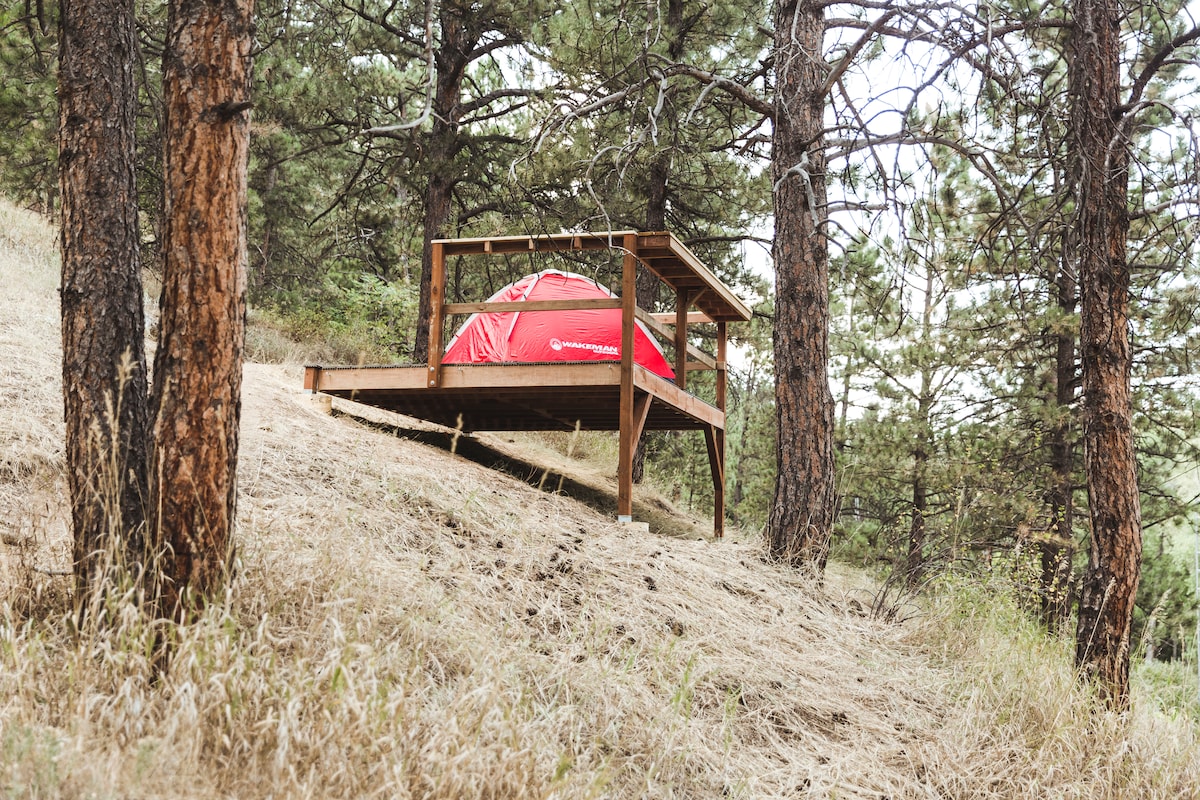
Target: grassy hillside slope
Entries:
(407, 623)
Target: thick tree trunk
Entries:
(104, 358)
(647, 282)
(441, 147)
(437, 212)
(1114, 558)
(802, 512)
(198, 366)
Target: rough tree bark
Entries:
(656, 210)
(802, 512)
(104, 359)
(1058, 550)
(198, 366)
(922, 447)
(452, 58)
(647, 281)
(1114, 558)
(922, 451)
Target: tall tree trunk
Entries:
(103, 328)
(922, 445)
(802, 512)
(1114, 557)
(647, 281)
(1058, 552)
(441, 147)
(437, 212)
(921, 452)
(198, 366)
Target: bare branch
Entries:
(843, 64)
(491, 97)
(431, 70)
(733, 89)
(492, 46)
(1154, 65)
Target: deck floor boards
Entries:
(516, 397)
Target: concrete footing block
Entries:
(321, 403)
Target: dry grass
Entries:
(405, 623)
(31, 432)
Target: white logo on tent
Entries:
(601, 349)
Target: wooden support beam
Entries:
(437, 298)
(682, 301)
(648, 319)
(641, 410)
(715, 439)
(668, 244)
(626, 409)
(673, 396)
(722, 369)
(651, 322)
(532, 305)
(693, 318)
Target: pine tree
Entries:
(104, 362)
(802, 512)
(198, 363)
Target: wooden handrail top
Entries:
(586, 304)
(693, 318)
(648, 319)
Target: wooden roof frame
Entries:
(621, 396)
(660, 251)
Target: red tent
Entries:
(587, 335)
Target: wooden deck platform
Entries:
(518, 397)
(615, 396)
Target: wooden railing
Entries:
(671, 327)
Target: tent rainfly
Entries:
(538, 336)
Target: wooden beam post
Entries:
(641, 410)
(626, 410)
(437, 298)
(714, 437)
(721, 367)
(683, 299)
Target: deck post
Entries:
(626, 411)
(683, 299)
(721, 368)
(437, 298)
